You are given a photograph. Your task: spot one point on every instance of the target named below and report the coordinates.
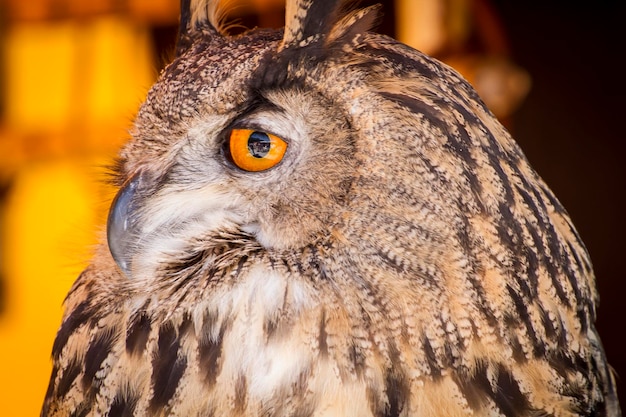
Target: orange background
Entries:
(72, 87)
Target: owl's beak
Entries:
(122, 223)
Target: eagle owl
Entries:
(321, 221)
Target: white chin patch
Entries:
(170, 221)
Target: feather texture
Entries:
(401, 259)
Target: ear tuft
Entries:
(198, 15)
(308, 20)
(358, 21)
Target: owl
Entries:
(322, 221)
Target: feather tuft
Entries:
(308, 20)
(211, 12)
(354, 22)
(195, 15)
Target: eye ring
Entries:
(254, 150)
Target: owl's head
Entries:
(288, 138)
(321, 135)
(251, 135)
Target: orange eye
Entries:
(252, 150)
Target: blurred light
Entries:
(72, 89)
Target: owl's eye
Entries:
(254, 151)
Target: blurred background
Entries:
(73, 73)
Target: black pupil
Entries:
(259, 144)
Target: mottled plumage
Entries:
(400, 259)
